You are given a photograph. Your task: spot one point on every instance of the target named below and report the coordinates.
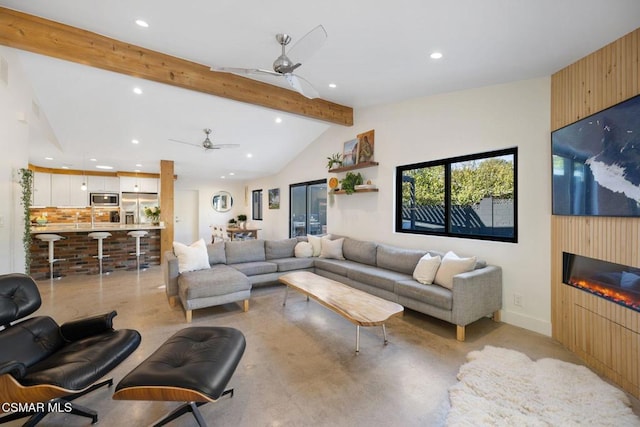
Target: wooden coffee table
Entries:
(356, 306)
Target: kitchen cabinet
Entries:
(41, 189)
(103, 184)
(145, 185)
(66, 191)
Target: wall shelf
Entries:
(354, 167)
(368, 190)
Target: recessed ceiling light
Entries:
(222, 177)
(278, 120)
(48, 158)
(104, 167)
(136, 170)
(333, 85)
(436, 55)
(142, 23)
(65, 167)
(134, 141)
(231, 173)
(93, 160)
(249, 155)
(138, 165)
(137, 91)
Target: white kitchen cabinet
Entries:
(145, 185)
(103, 184)
(66, 191)
(41, 189)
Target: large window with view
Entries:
(471, 196)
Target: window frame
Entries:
(447, 195)
(257, 193)
(306, 185)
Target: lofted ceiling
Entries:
(376, 52)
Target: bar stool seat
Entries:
(137, 234)
(100, 236)
(51, 238)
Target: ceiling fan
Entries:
(289, 61)
(207, 144)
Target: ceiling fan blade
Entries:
(302, 86)
(219, 146)
(244, 71)
(308, 45)
(184, 142)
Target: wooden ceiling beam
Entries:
(34, 34)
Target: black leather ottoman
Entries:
(193, 366)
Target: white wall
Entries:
(15, 104)
(442, 126)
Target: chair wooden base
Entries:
(58, 404)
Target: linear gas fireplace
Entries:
(615, 282)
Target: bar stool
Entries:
(100, 236)
(138, 234)
(51, 238)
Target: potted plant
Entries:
(350, 181)
(335, 160)
(153, 214)
(242, 220)
(232, 222)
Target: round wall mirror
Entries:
(222, 201)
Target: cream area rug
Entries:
(501, 387)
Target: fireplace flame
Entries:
(616, 295)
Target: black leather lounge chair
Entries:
(43, 366)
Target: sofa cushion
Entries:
(193, 257)
(280, 248)
(216, 253)
(451, 265)
(244, 251)
(398, 259)
(434, 295)
(288, 264)
(374, 276)
(359, 251)
(332, 249)
(255, 267)
(334, 265)
(316, 243)
(217, 280)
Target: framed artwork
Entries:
(350, 153)
(274, 198)
(365, 146)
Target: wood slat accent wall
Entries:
(604, 334)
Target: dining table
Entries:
(236, 233)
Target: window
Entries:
(471, 196)
(256, 205)
(308, 208)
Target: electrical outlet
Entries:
(517, 300)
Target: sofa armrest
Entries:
(170, 273)
(16, 369)
(476, 294)
(82, 328)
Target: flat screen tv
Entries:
(596, 163)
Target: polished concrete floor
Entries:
(299, 367)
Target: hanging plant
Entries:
(26, 182)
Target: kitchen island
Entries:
(78, 250)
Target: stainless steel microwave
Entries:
(104, 199)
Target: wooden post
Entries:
(166, 206)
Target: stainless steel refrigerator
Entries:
(133, 205)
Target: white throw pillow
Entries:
(192, 257)
(425, 271)
(303, 250)
(451, 265)
(315, 243)
(332, 248)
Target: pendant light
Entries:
(83, 187)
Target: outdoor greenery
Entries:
(26, 182)
(470, 182)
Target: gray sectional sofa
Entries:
(379, 269)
